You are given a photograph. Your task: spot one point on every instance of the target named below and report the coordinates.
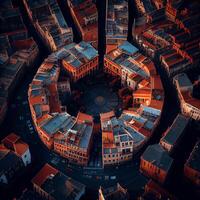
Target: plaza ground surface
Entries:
(95, 96)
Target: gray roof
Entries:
(86, 137)
(183, 80)
(117, 20)
(57, 122)
(136, 137)
(78, 54)
(176, 130)
(38, 110)
(149, 125)
(158, 157)
(133, 67)
(36, 92)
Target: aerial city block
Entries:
(99, 99)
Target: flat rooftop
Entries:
(57, 122)
(79, 54)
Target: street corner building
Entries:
(50, 183)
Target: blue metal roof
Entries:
(128, 47)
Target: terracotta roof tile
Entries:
(20, 147)
(43, 174)
(82, 117)
(107, 116)
(12, 138)
(190, 100)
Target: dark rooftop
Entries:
(194, 159)
(158, 156)
(7, 159)
(62, 187)
(176, 130)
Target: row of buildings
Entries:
(14, 157)
(62, 132)
(174, 40)
(157, 162)
(48, 20)
(190, 105)
(124, 136)
(116, 22)
(69, 136)
(72, 137)
(18, 52)
(50, 183)
(151, 10)
(85, 16)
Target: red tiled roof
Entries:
(156, 82)
(143, 83)
(156, 104)
(142, 93)
(13, 142)
(107, 116)
(190, 100)
(3, 148)
(43, 174)
(82, 117)
(12, 138)
(20, 147)
(43, 118)
(83, 10)
(16, 32)
(23, 44)
(110, 48)
(36, 100)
